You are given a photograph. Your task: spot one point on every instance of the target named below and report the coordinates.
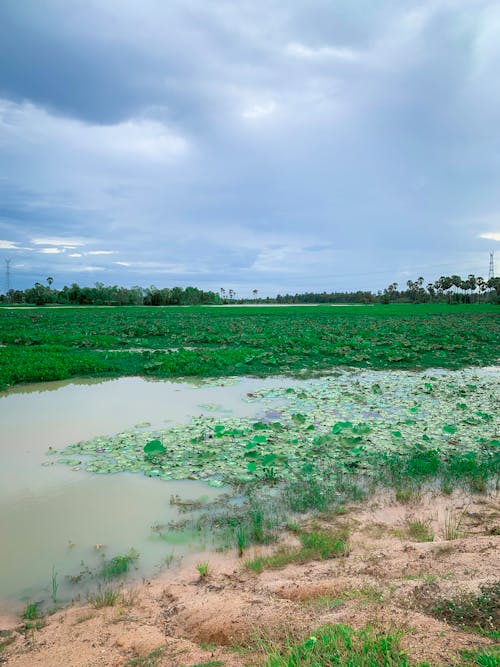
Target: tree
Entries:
(50, 280)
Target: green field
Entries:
(57, 343)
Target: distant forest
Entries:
(447, 289)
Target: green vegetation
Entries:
(54, 586)
(316, 545)
(453, 526)
(477, 612)
(398, 429)
(33, 617)
(420, 530)
(118, 565)
(150, 660)
(106, 596)
(31, 611)
(55, 344)
(6, 637)
(203, 570)
(342, 646)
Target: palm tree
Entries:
(50, 280)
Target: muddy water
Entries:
(53, 517)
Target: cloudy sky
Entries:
(276, 145)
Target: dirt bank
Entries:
(388, 579)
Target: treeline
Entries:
(110, 295)
(446, 289)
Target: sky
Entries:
(277, 145)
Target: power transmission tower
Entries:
(491, 270)
(7, 277)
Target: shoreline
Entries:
(388, 579)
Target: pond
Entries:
(54, 517)
(62, 514)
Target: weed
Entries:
(404, 494)
(203, 570)
(479, 612)
(54, 585)
(420, 530)
(489, 658)
(31, 612)
(105, 597)
(210, 663)
(119, 565)
(453, 525)
(150, 660)
(294, 527)
(6, 637)
(341, 646)
(83, 618)
(316, 545)
(324, 602)
(241, 540)
(256, 565)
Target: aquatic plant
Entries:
(54, 586)
(118, 565)
(54, 344)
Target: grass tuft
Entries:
(316, 545)
(203, 570)
(341, 646)
(420, 530)
(105, 597)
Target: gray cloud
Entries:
(283, 146)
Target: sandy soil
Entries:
(383, 581)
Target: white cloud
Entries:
(50, 251)
(101, 252)
(492, 236)
(300, 50)
(259, 110)
(62, 241)
(75, 254)
(123, 263)
(9, 245)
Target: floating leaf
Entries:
(154, 447)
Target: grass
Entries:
(478, 612)
(150, 660)
(316, 545)
(203, 570)
(7, 637)
(54, 586)
(489, 658)
(53, 344)
(341, 646)
(209, 663)
(419, 530)
(404, 495)
(453, 525)
(367, 592)
(31, 612)
(107, 596)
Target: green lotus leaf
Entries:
(154, 447)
